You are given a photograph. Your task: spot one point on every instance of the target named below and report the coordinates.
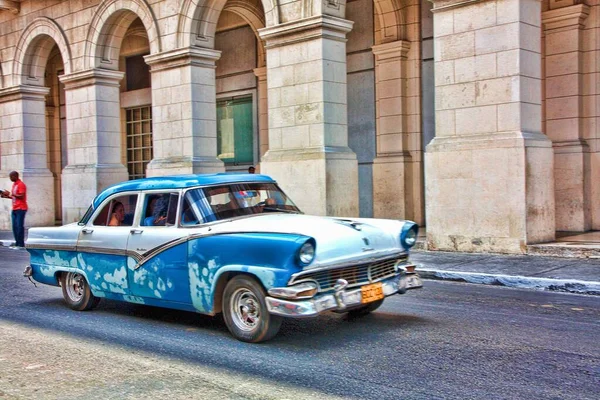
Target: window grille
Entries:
(139, 140)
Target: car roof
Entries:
(180, 182)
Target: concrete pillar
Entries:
(184, 112)
(93, 138)
(308, 132)
(263, 111)
(392, 168)
(489, 170)
(564, 63)
(24, 149)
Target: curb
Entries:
(523, 282)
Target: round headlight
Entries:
(306, 253)
(411, 238)
(408, 237)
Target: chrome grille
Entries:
(355, 275)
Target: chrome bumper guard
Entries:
(340, 299)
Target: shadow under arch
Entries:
(33, 50)
(108, 27)
(254, 16)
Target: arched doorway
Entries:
(56, 126)
(242, 136)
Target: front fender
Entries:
(270, 257)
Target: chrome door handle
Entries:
(86, 230)
(134, 231)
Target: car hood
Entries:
(338, 240)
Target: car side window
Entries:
(160, 209)
(119, 211)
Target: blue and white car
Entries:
(230, 243)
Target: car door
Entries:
(102, 247)
(158, 265)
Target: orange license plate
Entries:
(372, 292)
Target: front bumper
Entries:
(340, 299)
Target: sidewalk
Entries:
(574, 275)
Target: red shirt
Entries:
(18, 189)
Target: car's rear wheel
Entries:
(245, 311)
(77, 293)
(366, 309)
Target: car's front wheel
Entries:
(245, 311)
(76, 292)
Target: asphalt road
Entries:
(447, 341)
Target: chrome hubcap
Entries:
(245, 310)
(75, 286)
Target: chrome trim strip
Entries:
(112, 252)
(56, 247)
(143, 258)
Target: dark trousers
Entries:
(18, 226)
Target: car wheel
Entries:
(245, 311)
(366, 309)
(77, 293)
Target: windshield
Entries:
(226, 201)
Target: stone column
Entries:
(24, 149)
(563, 33)
(263, 111)
(489, 170)
(184, 112)
(93, 139)
(308, 132)
(392, 168)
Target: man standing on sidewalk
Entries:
(18, 194)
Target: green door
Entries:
(235, 131)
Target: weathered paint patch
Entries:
(117, 281)
(201, 283)
(267, 276)
(57, 258)
(106, 272)
(47, 270)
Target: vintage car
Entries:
(230, 243)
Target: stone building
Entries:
(475, 118)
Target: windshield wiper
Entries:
(270, 208)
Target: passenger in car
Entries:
(118, 214)
(158, 206)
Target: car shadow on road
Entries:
(326, 330)
(331, 330)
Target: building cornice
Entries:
(260, 73)
(23, 92)
(397, 49)
(320, 26)
(198, 56)
(445, 5)
(565, 17)
(105, 77)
